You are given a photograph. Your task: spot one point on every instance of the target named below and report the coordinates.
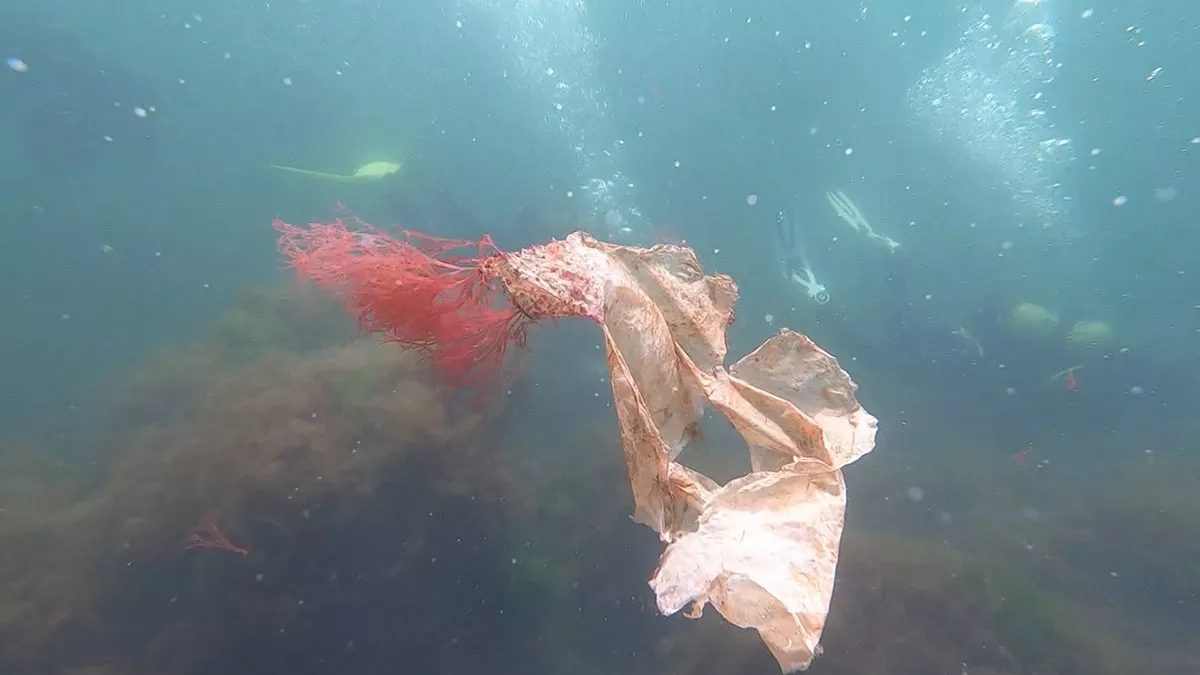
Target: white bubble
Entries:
(1087, 13)
(287, 81)
(751, 200)
(17, 64)
(677, 164)
(770, 318)
(849, 151)
(1007, 246)
(916, 494)
(1136, 390)
(1120, 200)
(140, 111)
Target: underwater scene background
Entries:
(986, 211)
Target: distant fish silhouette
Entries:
(366, 172)
(1067, 376)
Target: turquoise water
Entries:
(985, 211)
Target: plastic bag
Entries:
(761, 549)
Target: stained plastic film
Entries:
(761, 549)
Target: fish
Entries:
(1067, 375)
(367, 172)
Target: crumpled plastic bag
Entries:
(763, 548)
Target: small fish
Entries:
(1022, 456)
(966, 335)
(1067, 375)
(1072, 383)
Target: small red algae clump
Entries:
(426, 293)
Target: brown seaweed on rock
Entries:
(287, 455)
